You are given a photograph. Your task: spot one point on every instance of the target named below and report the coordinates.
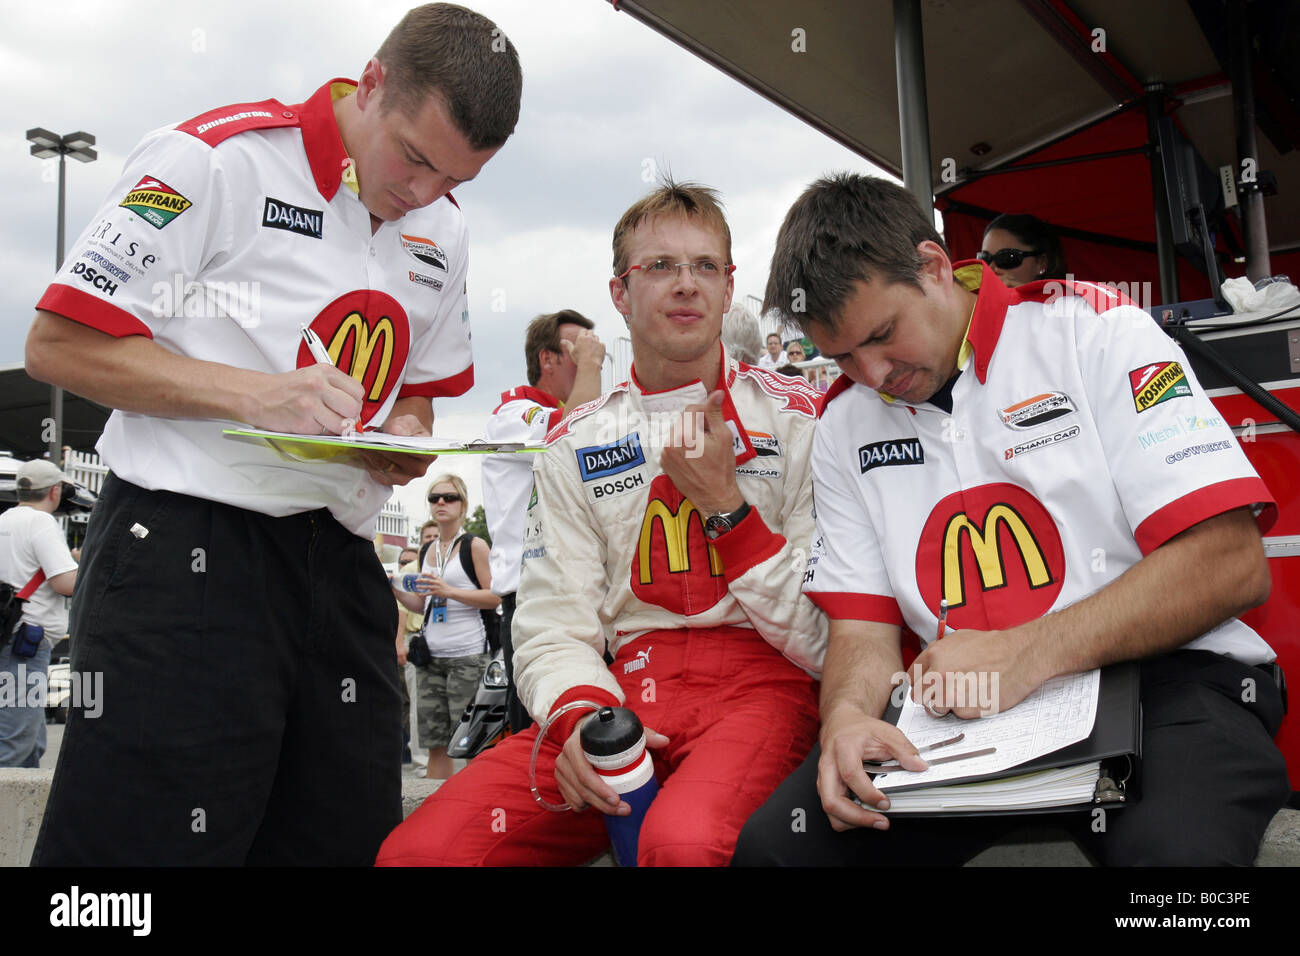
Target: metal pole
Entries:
(1243, 115)
(913, 112)
(56, 393)
(1155, 97)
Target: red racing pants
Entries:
(739, 718)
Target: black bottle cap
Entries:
(611, 730)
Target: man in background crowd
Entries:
(564, 359)
(36, 563)
(775, 356)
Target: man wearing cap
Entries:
(33, 550)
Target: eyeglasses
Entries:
(1006, 258)
(702, 270)
(437, 497)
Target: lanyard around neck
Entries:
(443, 559)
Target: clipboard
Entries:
(295, 447)
(1115, 745)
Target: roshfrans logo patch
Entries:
(601, 461)
(155, 202)
(900, 451)
(1035, 411)
(1156, 383)
(425, 250)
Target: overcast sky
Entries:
(605, 99)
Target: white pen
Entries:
(316, 347)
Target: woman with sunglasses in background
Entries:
(1021, 248)
(453, 628)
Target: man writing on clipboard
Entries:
(994, 448)
(232, 599)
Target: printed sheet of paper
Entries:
(1058, 714)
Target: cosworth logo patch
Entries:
(899, 451)
(155, 202)
(425, 250)
(601, 461)
(1156, 383)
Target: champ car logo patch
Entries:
(1033, 412)
(425, 250)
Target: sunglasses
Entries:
(1006, 258)
(437, 497)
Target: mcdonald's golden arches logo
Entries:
(368, 336)
(994, 553)
(675, 567)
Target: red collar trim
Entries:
(990, 312)
(321, 139)
(838, 387)
(532, 394)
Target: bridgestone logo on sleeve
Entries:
(232, 118)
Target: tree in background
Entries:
(477, 524)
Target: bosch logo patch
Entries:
(97, 279)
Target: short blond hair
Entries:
(671, 199)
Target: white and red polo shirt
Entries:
(525, 414)
(1078, 442)
(222, 237)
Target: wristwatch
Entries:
(719, 523)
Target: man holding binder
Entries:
(1042, 460)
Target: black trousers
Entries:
(1211, 780)
(517, 715)
(250, 710)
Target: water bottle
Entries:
(613, 741)
(408, 582)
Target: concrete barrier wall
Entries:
(23, 794)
